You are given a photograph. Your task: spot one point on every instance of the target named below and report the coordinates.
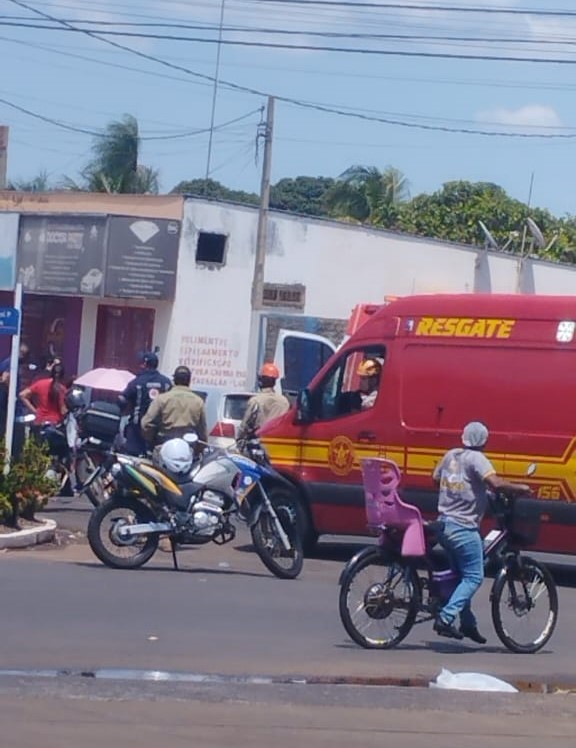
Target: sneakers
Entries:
(447, 629)
(471, 632)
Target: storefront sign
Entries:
(62, 254)
(9, 320)
(142, 258)
(8, 244)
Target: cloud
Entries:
(530, 115)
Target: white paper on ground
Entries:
(471, 682)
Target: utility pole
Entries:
(215, 88)
(262, 231)
(3, 155)
(266, 132)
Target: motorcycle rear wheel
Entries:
(104, 548)
(379, 601)
(284, 564)
(99, 491)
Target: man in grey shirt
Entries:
(464, 475)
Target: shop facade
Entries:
(98, 285)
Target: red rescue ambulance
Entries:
(509, 361)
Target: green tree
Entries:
(215, 190)
(364, 194)
(39, 183)
(115, 167)
(306, 195)
(453, 213)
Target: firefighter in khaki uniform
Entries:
(264, 406)
(175, 413)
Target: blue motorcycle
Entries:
(223, 487)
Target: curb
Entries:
(44, 533)
(551, 685)
(560, 684)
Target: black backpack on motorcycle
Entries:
(101, 421)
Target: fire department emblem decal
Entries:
(341, 455)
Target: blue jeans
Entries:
(464, 546)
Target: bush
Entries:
(25, 489)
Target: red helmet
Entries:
(270, 370)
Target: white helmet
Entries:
(176, 456)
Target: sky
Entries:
(421, 103)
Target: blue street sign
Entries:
(9, 320)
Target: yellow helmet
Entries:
(370, 367)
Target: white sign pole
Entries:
(13, 385)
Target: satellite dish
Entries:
(534, 229)
(489, 239)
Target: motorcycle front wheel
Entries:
(105, 541)
(524, 606)
(282, 562)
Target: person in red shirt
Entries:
(45, 397)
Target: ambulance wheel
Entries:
(310, 541)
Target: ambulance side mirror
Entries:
(304, 406)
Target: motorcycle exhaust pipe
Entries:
(146, 528)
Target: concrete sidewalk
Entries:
(150, 715)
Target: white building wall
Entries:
(554, 280)
(210, 323)
(340, 265)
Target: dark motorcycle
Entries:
(79, 445)
(223, 486)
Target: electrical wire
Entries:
(422, 7)
(63, 50)
(296, 102)
(103, 33)
(106, 63)
(26, 23)
(99, 134)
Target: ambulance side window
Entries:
(346, 389)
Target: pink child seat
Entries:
(385, 508)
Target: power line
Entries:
(101, 35)
(99, 134)
(295, 102)
(428, 8)
(63, 50)
(346, 5)
(284, 32)
(106, 63)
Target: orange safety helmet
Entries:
(370, 367)
(270, 370)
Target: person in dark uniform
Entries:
(136, 398)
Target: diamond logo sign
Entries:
(142, 258)
(565, 332)
(144, 230)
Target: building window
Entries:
(211, 248)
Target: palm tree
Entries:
(39, 183)
(364, 194)
(115, 167)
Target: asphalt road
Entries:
(102, 657)
(224, 613)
